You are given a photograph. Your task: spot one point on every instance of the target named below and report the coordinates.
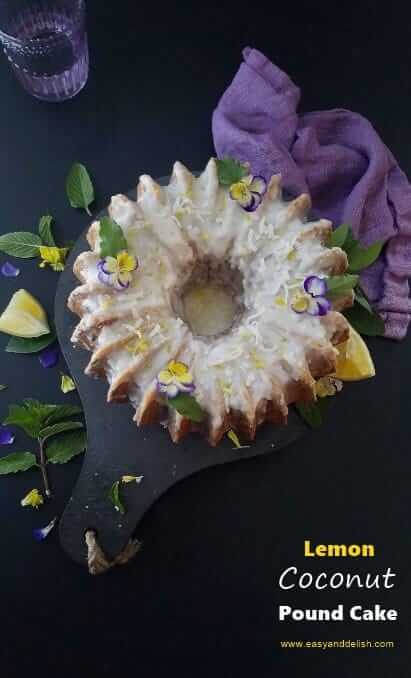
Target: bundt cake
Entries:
(215, 291)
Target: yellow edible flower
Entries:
(67, 384)
(131, 479)
(33, 499)
(327, 386)
(138, 346)
(54, 257)
(257, 361)
(117, 271)
(175, 379)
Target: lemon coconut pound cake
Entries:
(204, 304)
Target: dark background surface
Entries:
(201, 599)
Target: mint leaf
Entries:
(114, 496)
(112, 240)
(311, 413)
(187, 406)
(361, 257)
(33, 416)
(230, 171)
(339, 236)
(338, 285)
(66, 446)
(58, 412)
(369, 324)
(21, 244)
(361, 299)
(45, 231)
(18, 461)
(79, 188)
(349, 242)
(54, 429)
(20, 345)
(29, 420)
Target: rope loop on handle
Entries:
(97, 561)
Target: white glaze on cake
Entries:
(269, 357)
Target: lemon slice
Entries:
(354, 361)
(24, 317)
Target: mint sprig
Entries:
(43, 422)
(361, 316)
(26, 245)
(231, 171)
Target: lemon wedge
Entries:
(354, 361)
(24, 317)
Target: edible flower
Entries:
(54, 257)
(231, 435)
(175, 379)
(9, 271)
(327, 386)
(131, 479)
(6, 436)
(41, 533)
(117, 271)
(50, 356)
(67, 384)
(249, 192)
(312, 299)
(33, 499)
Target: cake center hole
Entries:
(209, 309)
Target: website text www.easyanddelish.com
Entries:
(336, 644)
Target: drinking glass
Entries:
(45, 42)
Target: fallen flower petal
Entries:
(67, 384)
(9, 271)
(41, 533)
(6, 436)
(33, 499)
(50, 356)
(231, 435)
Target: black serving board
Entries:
(117, 447)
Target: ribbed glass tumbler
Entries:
(45, 42)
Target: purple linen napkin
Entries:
(338, 158)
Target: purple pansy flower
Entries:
(6, 436)
(41, 533)
(50, 356)
(175, 379)
(249, 192)
(117, 271)
(312, 300)
(9, 271)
